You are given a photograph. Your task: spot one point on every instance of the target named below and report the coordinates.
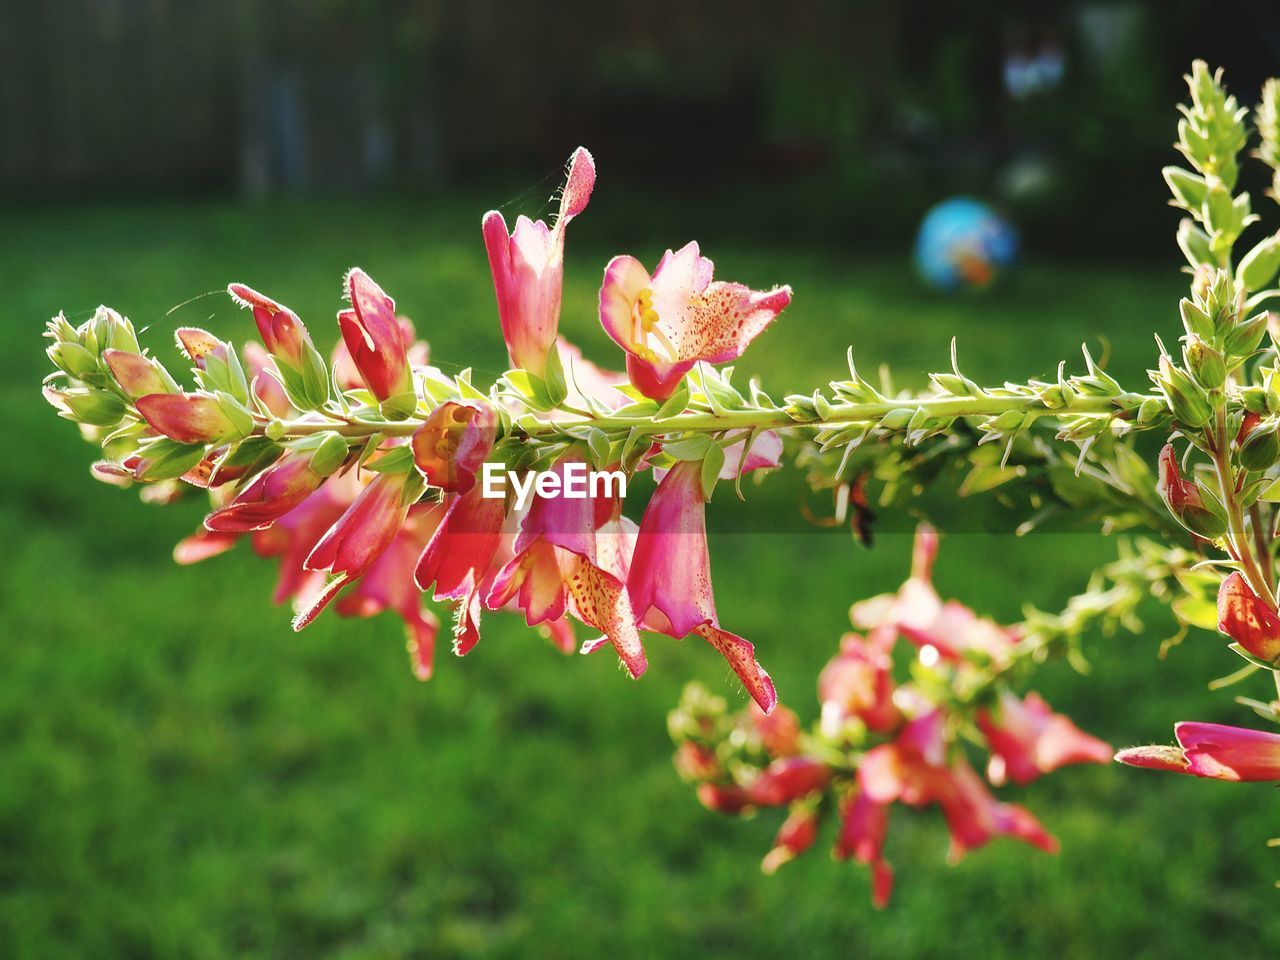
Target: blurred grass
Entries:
(183, 777)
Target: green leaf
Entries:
(396, 460)
(598, 444)
(675, 404)
(556, 384)
(711, 467)
(167, 459)
(693, 447)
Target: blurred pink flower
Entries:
(1028, 739)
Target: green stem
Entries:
(838, 414)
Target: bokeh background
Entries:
(181, 776)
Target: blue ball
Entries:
(963, 244)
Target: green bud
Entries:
(275, 429)
(1261, 448)
(1194, 320)
(1205, 363)
(330, 454)
(1254, 399)
(400, 406)
(1150, 411)
(1260, 264)
(897, 419)
(1187, 399)
(73, 359)
(95, 407)
(1194, 244)
(1245, 337)
(1188, 188)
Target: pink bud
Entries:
(788, 779)
(1229, 753)
(198, 344)
(453, 442)
(137, 375)
(1248, 620)
(282, 332)
(796, 836)
(186, 417)
(373, 337)
(271, 494)
(722, 798)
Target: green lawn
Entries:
(184, 777)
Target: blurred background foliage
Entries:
(180, 776)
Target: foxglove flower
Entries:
(301, 370)
(137, 375)
(858, 682)
(458, 557)
(1247, 619)
(567, 562)
(453, 442)
(1184, 500)
(797, 834)
(358, 538)
(1028, 739)
(670, 577)
(668, 322)
(376, 343)
(528, 269)
(864, 825)
(1213, 750)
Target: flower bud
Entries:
(187, 417)
(1205, 363)
(271, 494)
(1150, 410)
(1245, 337)
(1188, 401)
(788, 779)
(1194, 243)
(453, 442)
(1261, 447)
(375, 341)
(1259, 265)
(1247, 619)
(94, 407)
(1195, 320)
(302, 370)
(1184, 500)
(138, 375)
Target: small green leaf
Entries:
(711, 467)
(675, 404)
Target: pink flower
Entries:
(1027, 739)
(1184, 500)
(795, 836)
(458, 557)
(1247, 619)
(787, 779)
(670, 577)
(186, 417)
(263, 382)
(864, 825)
(858, 682)
(668, 322)
(919, 614)
(528, 269)
(358, 538)
(199, 345)
(373, 337)
(1213, 750)
(282, 332)
(453, 442)
(779, 731)
(567, 562)
(270, 495)
(347, 376)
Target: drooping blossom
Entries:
(668, 322)
(1028, 739)
(571, 556)
(670, 577)
(795, 836)
(528, 268)
(358, 538)
(374, 338)
(453, 442)
(864, 824)
(458, 558)
(919, 614)
(858, 682)
(1212, 750)
(1248, 619)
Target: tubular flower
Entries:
(787, 779)
(1028, 739)
(186, 417)
(269, 390)
(528, 269)
(797, 834)
(668, 322)
(565, 561)
(458, 558)
(1184, 500)
(864, 825)
(670, 578)
(374, 339)
(270, 495)
(858, 682)
(1214, 751)
(358, 538)
(919, 614)
(1247, 619)
(453, 442)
